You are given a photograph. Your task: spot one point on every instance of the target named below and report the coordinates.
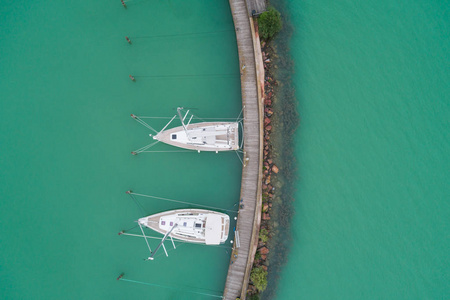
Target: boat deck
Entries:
(228, 141)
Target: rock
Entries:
(268, 102)
(264, 251)
(269, 161)
(275, 169)
(266, 207)
(269, 127)
(266, 152)
(264, 187)
(266, 121)
(264, 267)
(265, 216)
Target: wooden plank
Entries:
(252, 144)
(256, 6)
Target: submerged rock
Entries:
(264, 251)
(275, 169)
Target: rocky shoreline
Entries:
(269, 169)
(281, 120)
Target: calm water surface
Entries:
(372, 203)
(66, 137)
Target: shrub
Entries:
(264, 235)
(257, 255)
(269, 23)
(259, 278)
(253, 297)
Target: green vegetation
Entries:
(253, 297)
(259, 278)
(269, 23)
(264, 197)
(257, 255)
(264, 235)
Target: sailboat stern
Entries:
(216, 229)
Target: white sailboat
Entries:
(202, 136)
(190, 225)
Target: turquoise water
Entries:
(372, 204)
(66, 137)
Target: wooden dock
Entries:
(252, 85)
(256, 7)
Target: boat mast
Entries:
(162, 241)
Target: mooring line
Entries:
(195, 117)
(169, 287)
(172, 200)
(138, 205)
(188, 76)
(191, 151)
(180, 34)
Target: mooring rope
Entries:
(195, 117)
(242, 110)
(140, 150)
(130, 228)
(188, 76)
(180, 34)
(169, 287)
(239, 157)
(143, 123)
(138, 205)
(191, 151)
(172, 200)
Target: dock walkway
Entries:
(249, 219)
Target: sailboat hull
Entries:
(191, 225)
(205, 136)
